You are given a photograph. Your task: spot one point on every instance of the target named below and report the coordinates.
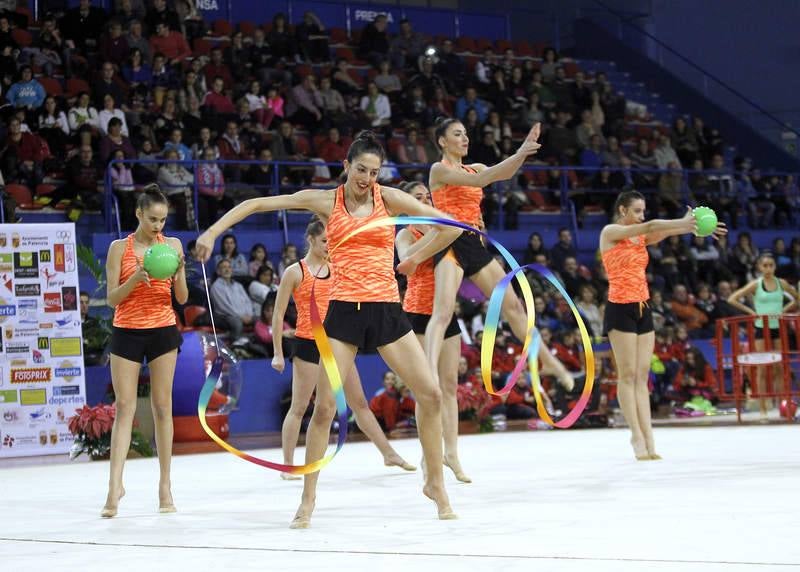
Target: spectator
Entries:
(286, 146)
(724, 309)
(84, 183)
(259, 106)
(470, 101)
(450, 66)
(160, 14)
(562, 249)
(343, 81)
(170, 43)
(53, 126)
(275, 102)
(744, 259)
(216, 101)
(412, 150)
(684, 142)
(406, 47)
(263, 327)
(333, 107)
(484, 69)
(723, 192)
(137, 41)
(695, 320)
(211, 190)
(263, 286)
(49, 46)
(177, 184)
(305, 103)
(695, 378)
(376, 107)
(281, 42)
(108, 85)
(534, 248)
(95, 336)
(75, 24)
(136, 72)
(486, 152)
(231, 303)
(662, 312)
(258, 258)
(176, 142)
(123, 187)
(705, 258)
(229, 250)
(549, 65)
(288, 257)
(163, 79)
(560, 140)
(115, 141)
(374, 43)
(113, 45)
(216, 67)
(27, 93)
(643, 158)
(261, 176)
(109, 112)
(231, 146)
(592, 156)
(665, 154)
(586, 130)
(386, 80)
(427, 79)
(590, 311)
(22, 156)
(312, 40)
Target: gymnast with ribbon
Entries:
(628, 320)
(314, 271)
(457, 189)
(144, 327)
(418, 305)
(364, 310)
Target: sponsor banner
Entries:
(32, 396)
(41, 370)
(64, 347)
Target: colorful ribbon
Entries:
(529, 354)
(335, 381)
(529, 350)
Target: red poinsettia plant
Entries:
(92, 429)
(474, 403)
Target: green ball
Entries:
(161, 261)
(706, 221)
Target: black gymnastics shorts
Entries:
(138, 344)
(367, 325)
(420, 321)
(469, 252)
(632, 318)
(305, 350)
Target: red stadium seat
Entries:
(191, 313)
(247, 27)
(76, 86)
(338, 36)
(23, 38)
(464, 44)
(222, 28)
(503, 45)
(21, 194)
(51, 86)
(201, 47)
(44, 189)
(344, 53)
(482, 43)
(523, 49)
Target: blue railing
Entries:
(562, 198)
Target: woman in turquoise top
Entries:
(768, 293)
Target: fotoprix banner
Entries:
(41, 346)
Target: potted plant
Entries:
(96, 331)
(91, 427)
(473, 409)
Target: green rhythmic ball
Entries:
(161, 261)
(706, 221)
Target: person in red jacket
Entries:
(567, 351)
(695, 377)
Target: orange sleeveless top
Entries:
(302, 299)
(460, 202)
(365, 264)
(419, 292)
(626, 263)
(146, 306)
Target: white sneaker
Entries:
(243, 341)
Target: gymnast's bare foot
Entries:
(302, 518)
(395, 460)
(439, 496)
(452, 462)
(640, 449)
(165, 502)
(112, 502)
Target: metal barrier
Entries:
(745, 353)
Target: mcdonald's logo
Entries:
(44, 344)
(44, 256)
